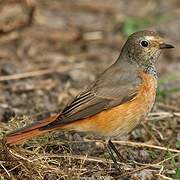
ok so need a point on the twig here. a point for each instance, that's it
(167, 159)
(145, 166)
(134, 171)
(34, 73)
(84, 158)
(164, 177)
(26, 159)
(14, 167)
(93, 159)
(123, 143)
(135, 144)
(162, 115)
(156, 165)
(5, 170)
(19, 156)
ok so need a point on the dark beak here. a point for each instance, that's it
(165, 46)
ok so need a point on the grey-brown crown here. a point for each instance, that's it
(143, 47)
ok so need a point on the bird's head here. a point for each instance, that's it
(144, 47)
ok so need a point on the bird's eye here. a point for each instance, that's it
(144, 43)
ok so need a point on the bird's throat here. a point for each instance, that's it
(151, 70)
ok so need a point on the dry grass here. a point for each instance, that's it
(48, 157)
(49, 50)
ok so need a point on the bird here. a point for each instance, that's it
(115, 103)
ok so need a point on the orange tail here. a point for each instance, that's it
(30, 131)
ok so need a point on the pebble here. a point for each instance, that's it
(8, 69)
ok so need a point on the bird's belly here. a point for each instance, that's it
(123, 118)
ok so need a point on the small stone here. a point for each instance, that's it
(143, 175)
(8, 69)
(50, 176)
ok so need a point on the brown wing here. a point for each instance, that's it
(117, 85)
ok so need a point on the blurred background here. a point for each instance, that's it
(51, 50)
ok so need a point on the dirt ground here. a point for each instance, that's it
(51, 50)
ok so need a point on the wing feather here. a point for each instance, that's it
(117, 85)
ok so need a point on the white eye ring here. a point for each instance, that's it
(144, 43)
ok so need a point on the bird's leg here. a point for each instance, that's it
(111, 145)
(111, 154)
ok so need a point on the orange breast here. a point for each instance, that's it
(123, 118)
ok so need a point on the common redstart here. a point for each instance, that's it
(116, 102)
